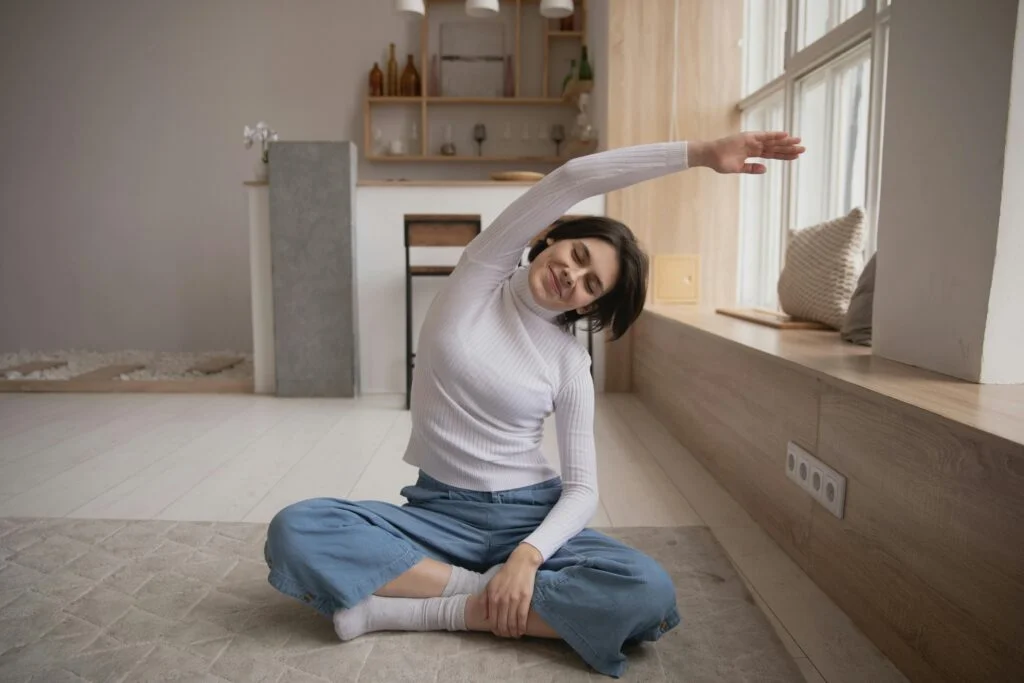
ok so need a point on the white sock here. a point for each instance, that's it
(465, 582)
(401, 614)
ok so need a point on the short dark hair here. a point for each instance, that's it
(619, 308)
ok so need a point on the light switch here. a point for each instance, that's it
(676, 278)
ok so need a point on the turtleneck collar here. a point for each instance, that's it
(520, 287)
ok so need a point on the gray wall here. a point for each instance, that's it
(123, 221)
(942, 216)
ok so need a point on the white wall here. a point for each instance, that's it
(380, 266)
(122, 215)
(1003, 360)
(942, 221)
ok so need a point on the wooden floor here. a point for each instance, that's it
(242, 458)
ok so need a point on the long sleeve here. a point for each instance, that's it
(574, 422)
(501, 245)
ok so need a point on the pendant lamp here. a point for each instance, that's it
(556, 9)
(414, 8)
(482, 8)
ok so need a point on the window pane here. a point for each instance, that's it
(761, 218)
(818, 17)
(811, 170)
(763, 42)
(849, 8)
(832, 118)
(853, 86)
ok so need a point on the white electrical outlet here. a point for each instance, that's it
(825, 485)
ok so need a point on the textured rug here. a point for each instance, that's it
(96, 600)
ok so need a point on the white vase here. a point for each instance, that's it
(261, 170)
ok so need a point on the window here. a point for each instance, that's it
(817, 17)
(764, 37)
(761, 216)
(832, 117)
(826, 86)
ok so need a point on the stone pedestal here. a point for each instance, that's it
(312, 188)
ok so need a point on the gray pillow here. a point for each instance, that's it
(857, 324)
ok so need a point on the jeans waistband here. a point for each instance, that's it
(425, 481)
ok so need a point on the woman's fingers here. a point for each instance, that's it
(777, 137)
(503, 619)
(783, 152)
(524, 616)
(509, 617)
(510, 627)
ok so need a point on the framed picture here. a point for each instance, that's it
(472, 58)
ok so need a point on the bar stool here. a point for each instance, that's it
(430, 230)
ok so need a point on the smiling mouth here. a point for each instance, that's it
(555, 287)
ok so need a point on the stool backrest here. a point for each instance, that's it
(441, 230)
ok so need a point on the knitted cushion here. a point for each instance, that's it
(822, 266)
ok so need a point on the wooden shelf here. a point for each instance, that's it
(394, 100)
(410, 158)
(536, 83)
(545, 101)
(496, 100)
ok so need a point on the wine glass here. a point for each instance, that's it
(479, 134)
(448, 148)
(558, 136)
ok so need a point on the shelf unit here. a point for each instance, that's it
(464, 158)
(426, 102)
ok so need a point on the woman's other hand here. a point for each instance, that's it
(510, 592)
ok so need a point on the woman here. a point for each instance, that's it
(495, 359)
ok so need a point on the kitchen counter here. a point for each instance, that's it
(443, 183)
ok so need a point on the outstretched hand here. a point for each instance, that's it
(730, 154)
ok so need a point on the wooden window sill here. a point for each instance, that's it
(995, 409)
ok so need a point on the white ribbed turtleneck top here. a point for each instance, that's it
(492, 364)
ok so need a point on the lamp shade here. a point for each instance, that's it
(556, 9)
(411, 7)
(482, 8)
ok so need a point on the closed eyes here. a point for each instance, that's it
(581, 255)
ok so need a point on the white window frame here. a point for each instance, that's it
(870, 24)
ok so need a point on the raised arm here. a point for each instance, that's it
(501, 245)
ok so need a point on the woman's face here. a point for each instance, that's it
(572, 274)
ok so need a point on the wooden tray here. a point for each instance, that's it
(776, 319)
(517, 175)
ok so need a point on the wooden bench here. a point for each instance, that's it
(928, 559)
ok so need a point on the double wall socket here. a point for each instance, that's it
(825, 485)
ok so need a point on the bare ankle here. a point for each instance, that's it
(476, 617)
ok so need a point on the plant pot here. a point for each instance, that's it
(261, 170)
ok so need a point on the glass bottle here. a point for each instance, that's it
(410, 80)
(435, 77)
(569, 76)
(586, 72)
(376, 81)
(510, 78)
(392, 83)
